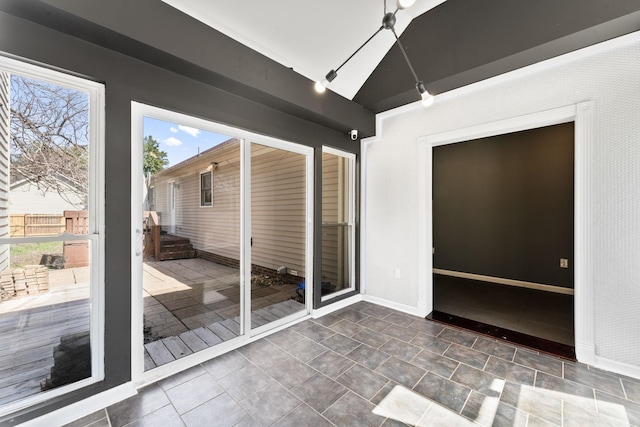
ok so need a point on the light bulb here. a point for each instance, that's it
(321, 85)
(427, 99)
(403, 4)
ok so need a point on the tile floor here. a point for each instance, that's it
(368, 365)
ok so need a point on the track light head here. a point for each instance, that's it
(321, 85)
(427, 98)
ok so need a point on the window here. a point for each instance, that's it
(51, 233)
(206, 188)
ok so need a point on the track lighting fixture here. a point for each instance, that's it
(388, 23)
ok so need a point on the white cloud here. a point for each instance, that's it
(173, 130)
(173, 142)
(191, 131)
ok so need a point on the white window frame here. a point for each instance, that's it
(95, 237)
(210, 172)
(350, 220)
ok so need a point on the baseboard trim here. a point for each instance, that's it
(614, 366)
(415, 311)
(84, 407)
(502, 281)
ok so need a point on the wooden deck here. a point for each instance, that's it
(29, 338)
(171, 348)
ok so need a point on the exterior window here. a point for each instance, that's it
(51, 233)
(206, 188)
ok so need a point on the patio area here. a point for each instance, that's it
(189, 305)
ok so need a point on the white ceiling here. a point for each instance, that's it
(311, 37)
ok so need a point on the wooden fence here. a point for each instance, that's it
(26, 225)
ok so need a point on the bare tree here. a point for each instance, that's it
(50, 137)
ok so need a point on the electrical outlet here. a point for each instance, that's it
(293, 272)
(564, 263)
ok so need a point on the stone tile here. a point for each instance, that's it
(319, 392)
(346, 327)
(489, 411)
(431, 343)
(378, 311)
(541, 362)
(225, 364)
(340, 344)
(269, 404)
(436, 416)
(353, 315)
(367, 356)
(495, 348)
(284, 338)
(433, 362)
(194, 392)
(328, 320)
(298, 327)
(534, 401)
(510, 371)
(390, 422)
(264, 354)
(374, 323)
(331, 363)
(305, 349)
(567, 391)
(303, 415)
(400, 349)
(93, 419)
(372, 339)
(401, 319)
(182, 377)
(534, 421)
(401, 372)
(166, 415)
(317, 333)
(400, 332)
(632, 389)
(608, 383)
(247, 422)
(223, 409)
(353, 411)
(425, 326)
(384, 392)
(245, 381)
(576, 416)
(443, 391)
(403, 405)
(457, 336)
(290, 374)
(478, 380)
(466, 355)
(616, 407)
(149, 399)
(362, 381)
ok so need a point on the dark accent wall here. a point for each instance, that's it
(129, 79)
(503, 206)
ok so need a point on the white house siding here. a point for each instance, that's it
(278, 204)
(4, 165)
(607, 76)
(26, 198)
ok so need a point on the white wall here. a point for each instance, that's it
(606, 74)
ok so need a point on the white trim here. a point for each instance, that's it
(364, 146)
(614, 366)
(582, 113)
(82, 408)
(330, 308)
(414, 311)
(96, 209)
(508, 282)
(200, 174)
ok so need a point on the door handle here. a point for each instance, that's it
(138, 242)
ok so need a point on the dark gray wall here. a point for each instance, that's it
(503, 206)
(128, 79)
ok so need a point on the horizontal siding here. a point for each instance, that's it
(4, 165)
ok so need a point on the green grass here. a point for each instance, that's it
(30, 253)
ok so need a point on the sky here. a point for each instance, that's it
(178, 141)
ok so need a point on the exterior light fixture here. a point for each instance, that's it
(388, 23)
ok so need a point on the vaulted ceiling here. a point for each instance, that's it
(451, 43)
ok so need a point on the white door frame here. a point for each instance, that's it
(138, 112)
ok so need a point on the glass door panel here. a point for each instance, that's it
(278, 234)
(337, 222)
(191, 229)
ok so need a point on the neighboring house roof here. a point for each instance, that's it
(192, 161)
